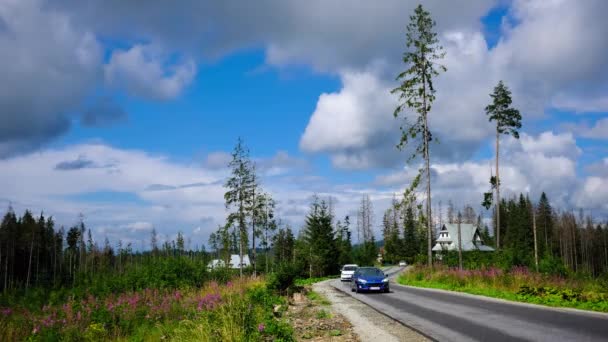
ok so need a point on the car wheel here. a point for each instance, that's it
(387, 290)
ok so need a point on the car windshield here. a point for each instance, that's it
(349, 268)
(370, 272)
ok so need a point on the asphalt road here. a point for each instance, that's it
(446, 316)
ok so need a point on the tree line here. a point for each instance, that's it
(36, 253)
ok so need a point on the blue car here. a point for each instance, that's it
(369, 279)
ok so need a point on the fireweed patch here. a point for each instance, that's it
(519, 284)
(120, 315)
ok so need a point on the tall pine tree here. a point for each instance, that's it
(508, 121)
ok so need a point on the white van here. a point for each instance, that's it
(347, 272)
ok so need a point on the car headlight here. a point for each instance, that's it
(362, 281)
(385, 280)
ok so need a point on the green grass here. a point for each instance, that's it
(310, 281)
(317, 298)
(517, 285)
(323, 314)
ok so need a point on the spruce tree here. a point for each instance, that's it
(239, 195)
(319, 236)
(417, 93)
(409, 235)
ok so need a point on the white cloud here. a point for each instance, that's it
(140, 226)
(349, 124)
(529, 165)
(547, 143)
(599, 168)
(144, 71)
(593, 194)
(597, 131)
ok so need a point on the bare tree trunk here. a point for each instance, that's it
(546, 240)
(605, 249)
(459, 242)
(535, 242)
(37, 264)
(497, 194)
(253, 251)
(241, 238)
(266, 238)
(575, 262)
(429, 231)
(6, 267)
(29, 265)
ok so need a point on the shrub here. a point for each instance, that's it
(283, 278)
(552, 265)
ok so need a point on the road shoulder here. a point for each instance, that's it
(368, 324)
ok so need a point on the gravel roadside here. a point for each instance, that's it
(368, 324)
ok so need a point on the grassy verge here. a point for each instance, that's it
(517, 285)
(241, 310)
(310, 281)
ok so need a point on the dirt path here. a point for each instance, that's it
(367, 323)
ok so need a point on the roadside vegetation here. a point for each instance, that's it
(517, 284)
(239, 310)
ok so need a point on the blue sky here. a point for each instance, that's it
(142, 107)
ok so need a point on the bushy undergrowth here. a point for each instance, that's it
(518, 284)
(241, 310)
(159, 273)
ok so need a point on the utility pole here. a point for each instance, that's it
(459, 242)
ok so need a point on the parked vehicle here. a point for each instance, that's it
(402, 263)
(369, 279)
(347, 272)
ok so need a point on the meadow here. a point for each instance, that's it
(169, 299)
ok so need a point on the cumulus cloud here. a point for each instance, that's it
(352, 123)
(599, 168)
(143, 71)
(531, 165)
(47, 66)
(599, 130)
(324, 34)
(593, 194)
(281, 163)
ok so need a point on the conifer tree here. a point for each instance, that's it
(409, 235)
(240, 186)
(508, 121)
(417, 93)
(319, 236)
(544, 222)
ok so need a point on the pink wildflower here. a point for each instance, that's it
(261, 327)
